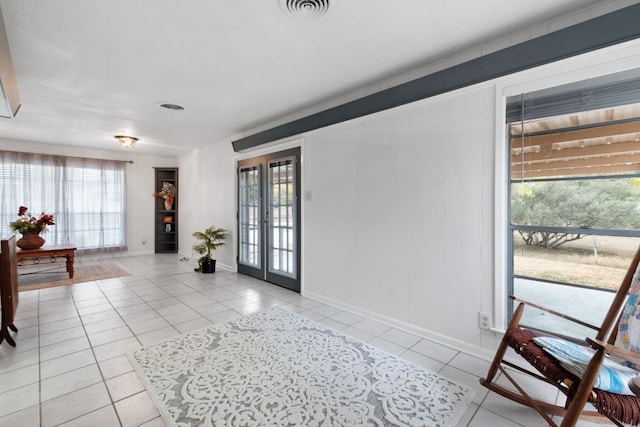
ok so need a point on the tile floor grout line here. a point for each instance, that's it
(153, 282)
(39, 367)
(104, 380)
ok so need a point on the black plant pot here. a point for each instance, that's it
(209, 266)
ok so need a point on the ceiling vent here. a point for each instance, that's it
(173, 107)
(305, 9)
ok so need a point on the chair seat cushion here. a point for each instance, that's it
(521, 340)
(624, 408)
(612, 377)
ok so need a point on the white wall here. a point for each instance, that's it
(139, 187)
(207, 182)
(394, 227)
(406, 218)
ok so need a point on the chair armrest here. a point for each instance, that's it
(622, 353)
(555, 313)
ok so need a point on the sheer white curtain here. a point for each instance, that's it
(86, 196)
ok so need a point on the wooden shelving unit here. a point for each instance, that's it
(166, 221)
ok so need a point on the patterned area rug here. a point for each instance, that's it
(82, 274)
(276, 368)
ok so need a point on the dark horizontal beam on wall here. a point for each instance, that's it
(606, 30)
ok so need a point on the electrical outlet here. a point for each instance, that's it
(484, 320)
(144, 241)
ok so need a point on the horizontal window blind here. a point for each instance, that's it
(579, 132)
(595, 96)
(86, 196)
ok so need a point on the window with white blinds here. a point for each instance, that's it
(86, 197)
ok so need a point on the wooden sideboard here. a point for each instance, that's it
(8, 288)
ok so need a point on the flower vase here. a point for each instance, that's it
(30, 240)
(168, 205)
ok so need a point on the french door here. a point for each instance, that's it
(269, 218)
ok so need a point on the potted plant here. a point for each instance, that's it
(209, 240)
(30, 227)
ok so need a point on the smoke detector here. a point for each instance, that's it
(305, 9)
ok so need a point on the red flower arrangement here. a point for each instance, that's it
(27, 222)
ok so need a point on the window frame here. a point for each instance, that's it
(603, 62)
(511, 228)
(63, 191)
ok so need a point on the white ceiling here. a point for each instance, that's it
(88, 70)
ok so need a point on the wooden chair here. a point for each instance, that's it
(8, 287)
(618, 408)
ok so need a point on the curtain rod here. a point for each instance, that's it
(65, 157)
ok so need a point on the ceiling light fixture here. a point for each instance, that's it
(126, 141)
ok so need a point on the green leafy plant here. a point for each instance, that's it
(209, 240)
(579, 204)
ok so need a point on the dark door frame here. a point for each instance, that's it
(264, 272)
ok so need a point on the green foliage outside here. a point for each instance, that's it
(599, 203)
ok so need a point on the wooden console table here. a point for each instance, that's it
(50, 252)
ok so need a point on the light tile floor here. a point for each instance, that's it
(69, 367)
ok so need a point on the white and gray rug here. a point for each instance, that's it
(276, 368)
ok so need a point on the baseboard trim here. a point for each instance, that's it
(407, 327)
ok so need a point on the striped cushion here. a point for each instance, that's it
(613, 377)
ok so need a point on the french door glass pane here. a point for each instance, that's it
(250, 209)
(282, 222)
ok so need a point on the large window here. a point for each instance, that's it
(86, 197)
(574, 199)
